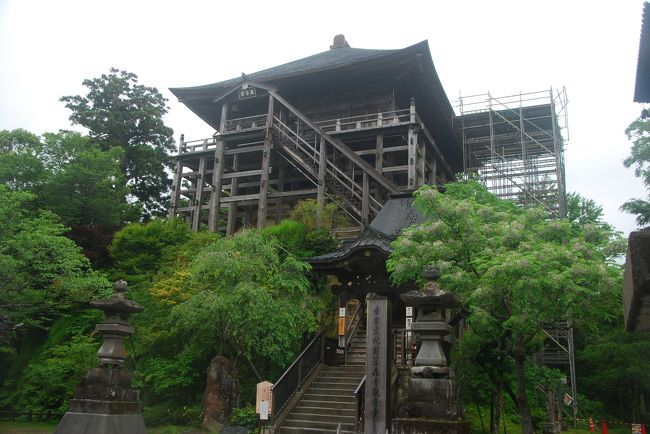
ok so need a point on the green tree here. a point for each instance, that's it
(141, 249)
(639, 133)
(44, 273)
(247, 300)
(85, 185)
(117, 111)
(21, 167)
(515, 269)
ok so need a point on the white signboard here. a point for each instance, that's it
(409, 323)
(409, 311)
(264, 410)
(341, 312)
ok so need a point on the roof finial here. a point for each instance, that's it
(339, 42)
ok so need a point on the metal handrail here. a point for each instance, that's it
(294, 377)
(359, 399)
(352, 327)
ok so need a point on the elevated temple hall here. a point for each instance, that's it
(349, 124)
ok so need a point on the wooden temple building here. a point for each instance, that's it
(350, 125)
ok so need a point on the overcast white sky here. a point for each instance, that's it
(48, 47)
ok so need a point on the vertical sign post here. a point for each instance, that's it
(408, 345)
(263, 399)
(341, 327)
(378, 363)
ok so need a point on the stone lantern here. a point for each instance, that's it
(433, 311)
(104, 402)
(432, 404)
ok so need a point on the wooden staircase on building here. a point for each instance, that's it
(330, 398)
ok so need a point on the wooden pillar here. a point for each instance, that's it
(224, 117)
(217, 184)
(266, 166)
(434, 171)
(231, 225)
(217, 173)
(412, 111)
(278, 203)
(198, 196)
(412, 148)
(379, 153)
(365, 204)
(422, 166)
(412, 157)
(178, 176)
(322, 170)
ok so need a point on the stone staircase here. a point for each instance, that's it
(330, 399)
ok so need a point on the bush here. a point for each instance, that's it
(244, 416)
(169, 413)
(48, 382)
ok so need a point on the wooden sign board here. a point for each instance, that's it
(341, 326)
(247, 92)
(636, 428)
(263, 394)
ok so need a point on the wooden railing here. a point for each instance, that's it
(360, 122)
(293, 378)
(197, 145)
(246, 123)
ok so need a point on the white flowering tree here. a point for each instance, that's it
(518, 271)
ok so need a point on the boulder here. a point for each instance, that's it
(221, 393)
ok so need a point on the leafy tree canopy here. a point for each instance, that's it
(517, 270)
(86, 186)
(44, 273)
(639, 133)
(248, 298)
(118, 111)
(21, 167)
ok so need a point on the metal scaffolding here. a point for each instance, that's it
(515, 145)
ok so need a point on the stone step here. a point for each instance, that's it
(336, 397)
(317, 416)
(291, 422)
(305, 409)
(299, 430)
(337, 382)
(326, 388)
(338, 405)
(356, 357)
(347, 372)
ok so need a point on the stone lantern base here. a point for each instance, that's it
(428, 426)
(104, 403)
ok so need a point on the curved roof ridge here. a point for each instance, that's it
(328, 59)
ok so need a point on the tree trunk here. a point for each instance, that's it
(496, 408)
(480, 416)
(522, 399)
